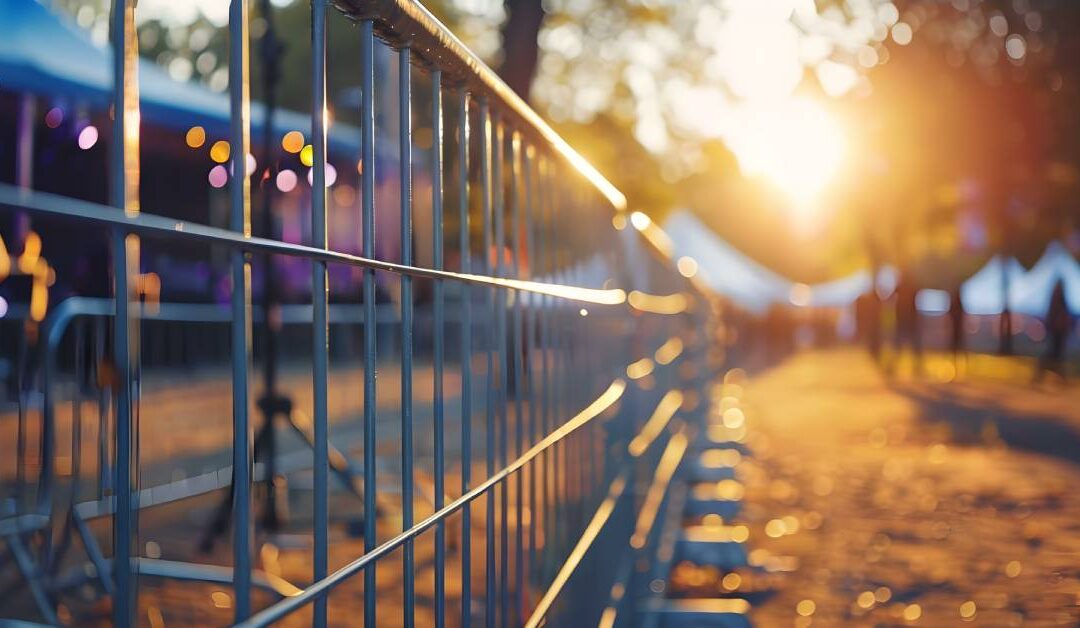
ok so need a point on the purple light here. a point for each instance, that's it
(331, 175)
(88, 137)
(218, 176)
(54, 117)
(286, 180)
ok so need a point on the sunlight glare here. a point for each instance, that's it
(796, 145)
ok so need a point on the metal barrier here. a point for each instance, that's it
(592, 350)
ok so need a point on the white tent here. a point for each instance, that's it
(724, 268)
(739, 277)
(1029, 291)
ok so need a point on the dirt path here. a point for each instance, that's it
(911, 501)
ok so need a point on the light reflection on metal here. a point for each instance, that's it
(668, 406)
(596, 525)
(665, 470)
(148, 224)
(639, 369)
(668, 351)
(666, 304)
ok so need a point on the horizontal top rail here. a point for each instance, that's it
(408, 23)
(149, 224)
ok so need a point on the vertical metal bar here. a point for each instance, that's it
(438, 341)
(124, 194)
(536, 468)
(367, 185)
(489, 426)
(500, 351)
(319, 296)
(466, 357)
(405, 170)
(542, 257)
(557, 334)
(516, 191)
(240, 221)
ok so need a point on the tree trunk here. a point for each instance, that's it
(520, 47)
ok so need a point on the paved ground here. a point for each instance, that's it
(878, 501)
(190, 434)
(871, 500)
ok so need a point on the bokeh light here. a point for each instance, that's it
(219, 152)
(195, 137)
(688, 266)
(286, 180)
(218, 176)
(331, 175)
(88, 137)
(54, 117)
(293, 142)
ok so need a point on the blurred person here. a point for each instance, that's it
(779, 333)
(1058, 325)
(908, 330)
(956, 320)
(868, 321)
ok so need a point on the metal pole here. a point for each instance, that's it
(124, 194)
(489, 425)
(405, 171)
(320, 331)
(367, 185)
(240, 221)
(516, 191)
(465, 252)
(498, 207)
(437, 245)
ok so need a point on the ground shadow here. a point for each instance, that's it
(970, 419)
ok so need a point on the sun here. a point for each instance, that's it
(795, 145)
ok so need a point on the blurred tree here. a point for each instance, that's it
(520, 49)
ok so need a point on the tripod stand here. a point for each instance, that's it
(272, 404)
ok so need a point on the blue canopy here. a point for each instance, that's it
(45, 54)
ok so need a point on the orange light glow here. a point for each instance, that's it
(195, 137)
(293, 142)
(220, 151)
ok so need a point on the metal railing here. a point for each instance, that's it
(581, 351)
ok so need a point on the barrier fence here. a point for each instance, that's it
(552, 360)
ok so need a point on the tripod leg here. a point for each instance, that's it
(266, 449)
(220, 522)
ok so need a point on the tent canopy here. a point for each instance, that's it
(45, 54)
(1029, 291)
(734, 274)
